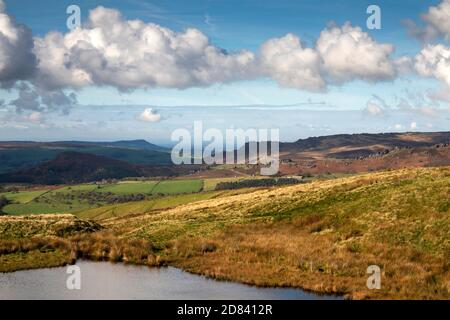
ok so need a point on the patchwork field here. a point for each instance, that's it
(85, 196)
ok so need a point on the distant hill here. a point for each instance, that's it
(349, 146)
(19, 155)
(345, 153)
(127, 144)
(353, 153)
(71, 167)
(365, 152)
(366, 142)
(77, 167)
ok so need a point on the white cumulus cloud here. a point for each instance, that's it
(348, 53)
(436, 23)
(291, 65)
(109, 50)
(434, 61)
(149, 115)
(129, 54)
(341, 54)
(17, 62)
(438, 18)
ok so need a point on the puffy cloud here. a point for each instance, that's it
(292, 65)
(413, 125)
(438, 18)
(434, 61)
(341, 54)
(404, 65)
(17, 61)
(149, 115)
(348, 53)
(437, 23)
(129, 54)
(43, 101)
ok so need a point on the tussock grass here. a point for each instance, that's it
(39, 252)
(44, 226)
(106, 246)
(287, 255)
(32, 253)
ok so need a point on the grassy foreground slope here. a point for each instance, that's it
(142, 207)
(320, 236)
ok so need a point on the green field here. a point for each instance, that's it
(43, 208)
(166, 187)
(80, 187)
(76, 198)
(24, 196)
(129, 187)
(178, 187)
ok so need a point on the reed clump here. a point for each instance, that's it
(106, 246)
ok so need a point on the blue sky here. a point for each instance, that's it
(107, 113)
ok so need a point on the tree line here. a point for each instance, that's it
(257, 183)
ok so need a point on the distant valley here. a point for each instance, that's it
(77, 161)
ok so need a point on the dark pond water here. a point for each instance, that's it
(104, 280)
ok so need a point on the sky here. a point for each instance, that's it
(138, 69)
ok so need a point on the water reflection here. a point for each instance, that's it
(103, 280)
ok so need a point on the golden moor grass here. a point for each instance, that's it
(320, 236)
(292, 256)
(44, 226)
(106, 246)
(102, 246)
